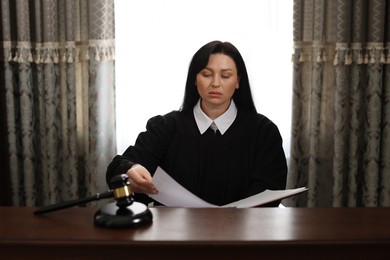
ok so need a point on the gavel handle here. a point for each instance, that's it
(68, 204)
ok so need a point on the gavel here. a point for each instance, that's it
(124, 213)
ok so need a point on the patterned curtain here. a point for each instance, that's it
(58, 58)
(341, 103)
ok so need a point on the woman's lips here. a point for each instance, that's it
(215, 94)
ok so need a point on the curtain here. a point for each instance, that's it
(341, 111)
(58, 59)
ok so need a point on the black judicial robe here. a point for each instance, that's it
(220, 169)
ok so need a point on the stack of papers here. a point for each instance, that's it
(172, 194)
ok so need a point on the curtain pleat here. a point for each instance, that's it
(384, 173)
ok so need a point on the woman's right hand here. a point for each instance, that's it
(141, 180)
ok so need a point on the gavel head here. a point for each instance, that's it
(122, 191)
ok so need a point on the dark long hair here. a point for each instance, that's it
(242, 96)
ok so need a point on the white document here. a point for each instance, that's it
(172, 194)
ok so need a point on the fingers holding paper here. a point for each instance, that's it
(141, 180)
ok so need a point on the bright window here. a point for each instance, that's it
(155, 41)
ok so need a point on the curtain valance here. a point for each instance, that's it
(347, 53)
(57, 52)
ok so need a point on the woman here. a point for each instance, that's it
(217, 145)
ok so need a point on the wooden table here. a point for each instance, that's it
(178, 233)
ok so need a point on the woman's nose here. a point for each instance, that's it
(216, 82)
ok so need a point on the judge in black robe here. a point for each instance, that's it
(220, 168)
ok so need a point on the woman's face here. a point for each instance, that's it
(216, 83)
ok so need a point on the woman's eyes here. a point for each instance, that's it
(207, 75)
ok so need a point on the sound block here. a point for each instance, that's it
(111, 216)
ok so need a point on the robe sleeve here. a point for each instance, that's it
(270, 167)
(148, 149)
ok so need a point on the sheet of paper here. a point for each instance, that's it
(265, 197)
(172, 194)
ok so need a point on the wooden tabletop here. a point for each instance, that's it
(178, 231)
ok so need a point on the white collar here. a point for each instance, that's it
(222, 123)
